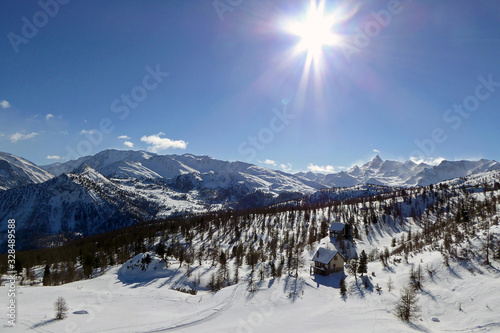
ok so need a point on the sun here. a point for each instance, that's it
(319, 31)
(315, 31)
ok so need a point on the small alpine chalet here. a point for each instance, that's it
(337, 229)
(327, 261)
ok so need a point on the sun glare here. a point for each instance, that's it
(315, 31)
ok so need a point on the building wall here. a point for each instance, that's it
(338, 262)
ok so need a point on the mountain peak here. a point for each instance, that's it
(377, 159)
(375, 163)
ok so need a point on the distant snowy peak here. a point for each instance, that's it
(395, 173)
(375, 163)
(16, 171)
(447, 170)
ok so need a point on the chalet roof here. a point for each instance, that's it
(324, 256)
(337, 226)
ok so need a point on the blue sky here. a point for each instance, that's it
(406, 79)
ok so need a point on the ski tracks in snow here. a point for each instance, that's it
(188, 320)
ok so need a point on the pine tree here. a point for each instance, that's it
(160, 249)
(87, 265)
(343, 289)
(353, 263)
(236, 275)
(46, 276)
(386, 255)
(363, 261)
(407, 307)
(61, 308)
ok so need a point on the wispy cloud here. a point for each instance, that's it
(157, 143)
(87, 132)
(124, 137)
(49, 116)
(129, 144)
(430, 160)
(53, 157)
(376, 151)
(20, 136)
(5, 104)
(320, 168)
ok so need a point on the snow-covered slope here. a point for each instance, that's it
(458, 293)
(395, 173)
(16, 171)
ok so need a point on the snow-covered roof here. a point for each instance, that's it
(337, 226)
(324, 256)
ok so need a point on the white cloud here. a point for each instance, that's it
(124, 137)
(269, 162)
(49, 116)
(376, 151)
(430, 160)
(157, 143)
(319, 168)
(129, 144)
(53, 157)
(87, 132)
(5, 104)
(286, 167)
(20, 136)
(65, 132)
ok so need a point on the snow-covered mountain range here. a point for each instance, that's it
(395, 173)
(113, 188)
(187, 171)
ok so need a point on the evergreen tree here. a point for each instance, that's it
(236, 275)
(87, 265)
(353, 264)
(363, 263)
(160, 249)
(343, 289)
(46, 276)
